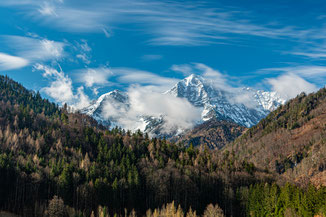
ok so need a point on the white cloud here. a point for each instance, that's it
(314, 73)
(84, 51)
(61, 85)
(289, 85)
(50, 49)
(177, 113)
(315, 48)
(84, 46)
(47, 10)
(134, 76)
(244, 98)
(94, 76)
(311, 54)
(34, 49)
(8, 62)
(84, 58)
(168, 23)
(308, 71)
(185, 69)
(81, 99)
(61, 88)
(217, 79)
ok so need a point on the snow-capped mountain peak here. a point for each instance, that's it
(245, 106)
(97, 108)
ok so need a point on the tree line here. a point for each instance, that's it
(55, 161)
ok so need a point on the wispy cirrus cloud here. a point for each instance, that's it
(8, 62)
(103, 76)
(47, 9)
(217, 78)
(315, 73)
(167, 23)
(144, 78)
(312, 51)
(28, 50)
(91, 77)
(83, 51)
(34, 49)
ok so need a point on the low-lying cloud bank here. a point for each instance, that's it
(177, 113)
(145, 92)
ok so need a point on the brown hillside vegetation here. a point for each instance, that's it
(54, 161)
(213, 133)
(57, 163)
(291, 141)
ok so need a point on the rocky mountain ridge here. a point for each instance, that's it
(244, 106)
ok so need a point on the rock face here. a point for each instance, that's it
(99, 108)
(244, 106)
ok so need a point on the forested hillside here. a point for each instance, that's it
(57, 163)
(47, 151)
(291, 141)
(213, 133)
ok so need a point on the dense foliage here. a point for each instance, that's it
(289, 200)
(47, 151)
(57, 163)
(213, 133)
(291, 141)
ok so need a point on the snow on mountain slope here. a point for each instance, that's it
(244, 106)
(114, 101)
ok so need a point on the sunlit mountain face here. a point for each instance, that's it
(189, 102)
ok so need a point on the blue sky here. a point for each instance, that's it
(74, 50)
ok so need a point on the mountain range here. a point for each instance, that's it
(244, 106)
(50, 158)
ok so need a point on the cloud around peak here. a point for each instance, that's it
(177, 113)
(289, 85)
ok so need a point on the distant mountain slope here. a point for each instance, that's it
(290, 141)
(213, 133)
(244, 106)
(119, 101)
